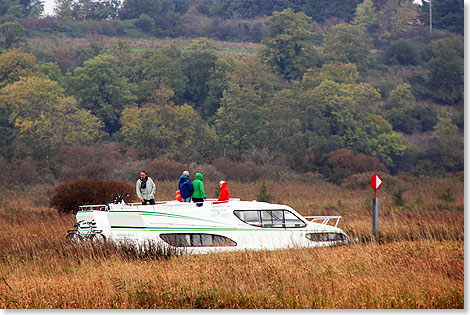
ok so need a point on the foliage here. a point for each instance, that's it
(402, 52)
(366, 15)
(289, 49)
(348, 44)
(243, 117)
(198, 61)
(397, 197)
(446, 14)
(447, 195)
(15, 64)
(157, 130)
(336, 71)
(446, 78)
(102, 89)
(263, 195)
(68, 196)
(394, 17)
(45, 118)
(12, 34)
(156, 69)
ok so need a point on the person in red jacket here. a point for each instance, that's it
(224, 192)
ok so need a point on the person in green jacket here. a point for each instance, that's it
(198, 189)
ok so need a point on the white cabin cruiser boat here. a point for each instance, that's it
(213, 225)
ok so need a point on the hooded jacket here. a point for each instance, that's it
(198, 187)
(224, 192)
(185, 186)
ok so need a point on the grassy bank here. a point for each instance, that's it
(418, 262)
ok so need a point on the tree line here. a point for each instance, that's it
(377, 93)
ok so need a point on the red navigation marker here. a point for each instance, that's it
(376, 183)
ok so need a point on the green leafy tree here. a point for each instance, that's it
(199, 61)
(216, 85)
(347, 44)
(12, 34)
(446, 77)
(448, 142)
(155, 69)
(336, 71)
(243, 117)
(366, 15)
(289, 49)
(102, 89)
(165, 130)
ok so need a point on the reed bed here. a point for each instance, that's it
(418, 261)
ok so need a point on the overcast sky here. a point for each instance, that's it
(49, 7)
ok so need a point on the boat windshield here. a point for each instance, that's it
(270, 218)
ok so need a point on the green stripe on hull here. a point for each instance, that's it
(162, 214)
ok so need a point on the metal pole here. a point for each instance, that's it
(430, 16)
(375, 218)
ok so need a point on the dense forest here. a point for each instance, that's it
(316, 89)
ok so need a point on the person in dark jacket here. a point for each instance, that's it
(224, 192)
(185, 187)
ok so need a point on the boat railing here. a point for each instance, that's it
(93, 208)
(325, 219)
(105, 207)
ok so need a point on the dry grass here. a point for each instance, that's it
(418, 263)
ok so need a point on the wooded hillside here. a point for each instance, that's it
(234, 89)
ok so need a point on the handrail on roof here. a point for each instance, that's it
(324, 218)
(92, 207)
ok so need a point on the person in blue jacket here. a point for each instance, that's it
(185, 187)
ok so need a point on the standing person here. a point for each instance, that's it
(198, 189)
(185, 186)
(224, 192)
(145, 189)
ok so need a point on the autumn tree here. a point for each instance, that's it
(102, 89)
(394, 17)
(288, 44)
(167, 130)
(45, 119)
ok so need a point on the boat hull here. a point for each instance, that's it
(211, 227)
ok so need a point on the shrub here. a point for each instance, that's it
(245, 172)
(351, 163)
(447, 195)
(100, 161)
(397, 197)
(68, 196)
(402, 52)
(263, 195)
(165, 169)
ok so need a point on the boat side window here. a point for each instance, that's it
(270, 218)
(196, 240)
